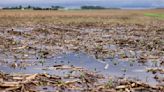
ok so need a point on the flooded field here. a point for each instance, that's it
(97, 52)
(114, 67)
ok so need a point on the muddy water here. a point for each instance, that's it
(109, 67)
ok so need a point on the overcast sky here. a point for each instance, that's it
(78, 3)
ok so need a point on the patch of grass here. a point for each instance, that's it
(161, 16)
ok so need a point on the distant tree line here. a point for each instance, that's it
(95, 7)
(52, 8)
(15, 7)
(159, 8)
(92, 7)
(33, 8)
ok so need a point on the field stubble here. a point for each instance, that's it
(28, 37)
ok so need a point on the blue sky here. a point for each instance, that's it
(78, 3)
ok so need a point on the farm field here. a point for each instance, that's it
(82, 50)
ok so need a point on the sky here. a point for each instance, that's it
(78, 3)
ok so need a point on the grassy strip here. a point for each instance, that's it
(161, 16)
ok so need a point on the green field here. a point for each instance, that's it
(161, 16)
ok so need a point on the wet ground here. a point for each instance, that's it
(66, 51)
(109, 67)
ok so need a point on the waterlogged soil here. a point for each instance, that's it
(118, 58)
(113, 67)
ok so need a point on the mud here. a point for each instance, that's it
(111, 58)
